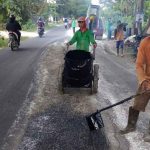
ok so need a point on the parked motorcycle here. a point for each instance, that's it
(134, 42)
(13, 41)
(40, 32)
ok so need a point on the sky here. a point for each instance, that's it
(95, 1)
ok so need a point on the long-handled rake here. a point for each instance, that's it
(95, 120)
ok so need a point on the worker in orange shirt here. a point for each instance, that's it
(143, 75)
(119, 37)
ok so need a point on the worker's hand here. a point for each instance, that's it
(68, 44)
(94, 45)
(145, 85)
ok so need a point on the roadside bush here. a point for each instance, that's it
(3, 42)
(49, 25)
(29, 26)
(2, 26)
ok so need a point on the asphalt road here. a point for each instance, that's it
(17, 71)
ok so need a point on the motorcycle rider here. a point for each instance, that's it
(83, 36)
(14, 26)
(40, 24)
(66, 23)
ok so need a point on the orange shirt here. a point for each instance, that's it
(143, 60)
(120, 35)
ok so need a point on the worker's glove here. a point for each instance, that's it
(145, 86)
(94, 45)
(68, 44)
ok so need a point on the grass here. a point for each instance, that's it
(33, 27)
(3, 42)
(50, 25)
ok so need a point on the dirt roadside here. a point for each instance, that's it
(23, 34)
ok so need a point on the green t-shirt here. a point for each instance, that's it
(83, 40)
(73, 23)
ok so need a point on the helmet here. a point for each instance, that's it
(40, 18)
(81, 18)
(12, 17)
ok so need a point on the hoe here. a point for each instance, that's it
(95, 120)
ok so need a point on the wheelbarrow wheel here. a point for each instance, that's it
(60, 85)
(95, 78)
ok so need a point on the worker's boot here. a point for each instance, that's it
(147, 136)
(117, 51)
(132, 120)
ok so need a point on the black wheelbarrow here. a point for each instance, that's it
(79, 73)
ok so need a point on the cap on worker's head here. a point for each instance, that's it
(81, 18)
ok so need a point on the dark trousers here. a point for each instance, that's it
(119, 44)
(19, 36)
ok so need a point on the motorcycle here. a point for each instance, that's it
(134, 42)
(66, 25)
(40, 32)
(13, 41)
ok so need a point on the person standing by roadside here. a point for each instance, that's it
(73, 25)
(109, 29)
(143, 75)
(119, 37)
(69, 22)
(91, 22)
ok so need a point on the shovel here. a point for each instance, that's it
(95, 120)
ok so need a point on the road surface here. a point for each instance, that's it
(46, 119)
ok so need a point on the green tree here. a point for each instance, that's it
(69, 8)
(127, 10)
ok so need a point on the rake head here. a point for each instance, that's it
(95, 121)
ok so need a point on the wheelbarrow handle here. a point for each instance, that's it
(66, 49)
(94, 53)
(122, 101)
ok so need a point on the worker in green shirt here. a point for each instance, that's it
(73, 25)
(83, 37)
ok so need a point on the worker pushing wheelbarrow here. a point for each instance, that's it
(79, 70)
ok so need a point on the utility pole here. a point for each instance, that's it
(139, 15)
